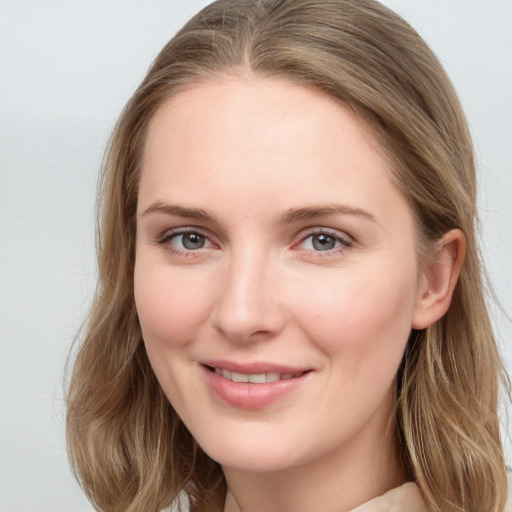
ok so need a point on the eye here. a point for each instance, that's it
(182, 241)
(324, 241)
(189, 241)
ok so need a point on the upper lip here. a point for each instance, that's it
(252, 368)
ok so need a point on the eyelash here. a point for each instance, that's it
(344, 242)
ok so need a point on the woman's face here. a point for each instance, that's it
(276, 276)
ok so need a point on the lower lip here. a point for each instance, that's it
(246, 395)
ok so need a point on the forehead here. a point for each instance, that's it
(271, 119)
(261, 143)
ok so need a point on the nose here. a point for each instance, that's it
(249, 306)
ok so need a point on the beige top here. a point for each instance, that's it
(407, 498)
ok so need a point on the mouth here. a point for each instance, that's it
(255, 378)
(253, 386)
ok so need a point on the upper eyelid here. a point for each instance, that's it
(318, 230)
(169, 233)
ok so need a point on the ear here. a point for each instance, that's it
(438, 280)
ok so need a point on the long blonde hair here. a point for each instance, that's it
(127, 446)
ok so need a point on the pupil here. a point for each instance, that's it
(323, 242)
(193, 241)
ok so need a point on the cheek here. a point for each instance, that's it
(363, 316)
(171, 308)
(361, 325)
(170, 304)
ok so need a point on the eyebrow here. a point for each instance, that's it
(182, 211)
(288, 217)
(313, 212)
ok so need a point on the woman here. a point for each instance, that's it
(290, 310)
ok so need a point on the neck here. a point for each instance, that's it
(337, 482)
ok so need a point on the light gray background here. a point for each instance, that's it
(66, 69)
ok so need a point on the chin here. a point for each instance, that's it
(262, 462)
(260, 453)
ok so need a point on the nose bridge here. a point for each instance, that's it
(248, 304)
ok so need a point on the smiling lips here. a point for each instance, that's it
(256, 378)
(253, 388)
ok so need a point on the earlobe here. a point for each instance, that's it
(439, 279)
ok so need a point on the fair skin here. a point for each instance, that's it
(272, 243)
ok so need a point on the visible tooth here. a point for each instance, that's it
(287, 376)
(239, 377)
(218, 371)
(295, 375)
(272, 377)
(257, 378)
(226, 373)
